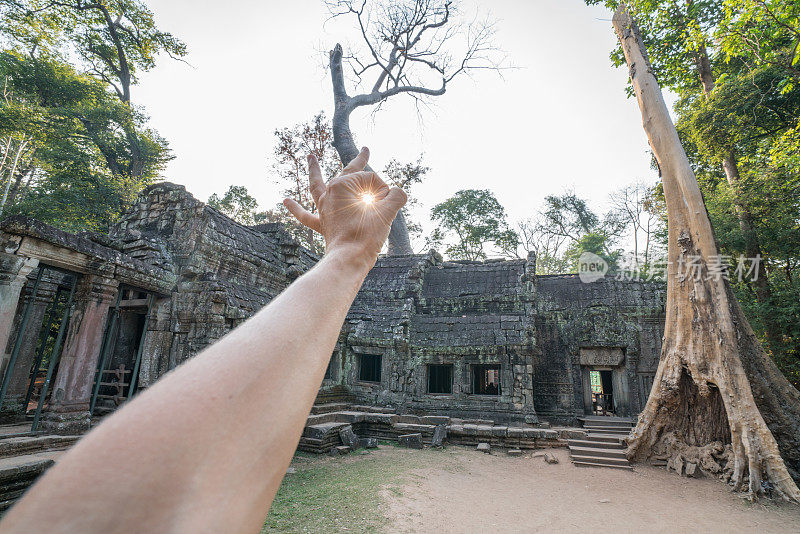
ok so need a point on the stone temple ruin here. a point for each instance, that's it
(88, 320)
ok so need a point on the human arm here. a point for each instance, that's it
(206, 447)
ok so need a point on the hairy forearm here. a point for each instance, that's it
(206, 447)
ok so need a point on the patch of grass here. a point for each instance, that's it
(344, 494)
(333, 494)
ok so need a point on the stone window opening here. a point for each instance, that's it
(440, 379)
(486, 380)
(370, 367)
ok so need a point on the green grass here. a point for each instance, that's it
(332, 494)
(344, 494)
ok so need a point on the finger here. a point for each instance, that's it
(316, 185)
(358, 163)
(301, 214)
(394, 200)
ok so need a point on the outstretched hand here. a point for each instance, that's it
(355, 209)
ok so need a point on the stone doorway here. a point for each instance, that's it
(604, 381)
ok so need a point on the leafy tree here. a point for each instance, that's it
(236, 203)
(474, 220)
(54, 51)
(596, 243)
(68, 122)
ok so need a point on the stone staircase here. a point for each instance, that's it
(602, 446)
(24, 456)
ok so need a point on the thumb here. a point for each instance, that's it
(395, 199)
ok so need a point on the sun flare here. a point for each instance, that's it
(368, 198)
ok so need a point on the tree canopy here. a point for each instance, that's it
(473, 220)
(75, 147)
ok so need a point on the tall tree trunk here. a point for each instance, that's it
(399, 242)
(751, 242)
(715, 385)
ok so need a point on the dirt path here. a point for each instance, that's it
(472, 492)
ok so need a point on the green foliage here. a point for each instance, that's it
(113, 40)
(236, 203)
(674, 33)
(74, 129)
(473, 220)
(596, 243)
(67, 72)
(763, 32)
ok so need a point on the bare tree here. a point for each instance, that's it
(717, 397)
(410, 47)
(548, 246)
(634, 206)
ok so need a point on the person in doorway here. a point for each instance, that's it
(205, 449)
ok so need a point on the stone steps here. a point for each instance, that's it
(604, 460)
(603, 446)
(22, 445)
(609, 430)
(606, 421)
(17, 474)
(596, 444)
(610, 438)
(599, 463)
(595, 452)
(318, 409)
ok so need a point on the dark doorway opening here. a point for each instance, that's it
(602, 392)
(440, 379)
(370, 368)
(486, 380)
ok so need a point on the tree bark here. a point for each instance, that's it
(714, 384)
(745, 218)
(399, 242)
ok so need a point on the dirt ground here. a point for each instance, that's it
(481, 493)
(461, 490)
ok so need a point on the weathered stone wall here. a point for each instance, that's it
(417, 310)
(572, 315)
(225, 271)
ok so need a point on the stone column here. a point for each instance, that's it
(14, 402)
(72, 388)
(14, 271)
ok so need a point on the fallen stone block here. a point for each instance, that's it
(550, 458)
(412, 441)
(439, 435)
(340, 450)
(368, 443)
(484, 447)
(349, 437)
(514, 452)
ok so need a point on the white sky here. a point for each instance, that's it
(559, 121)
